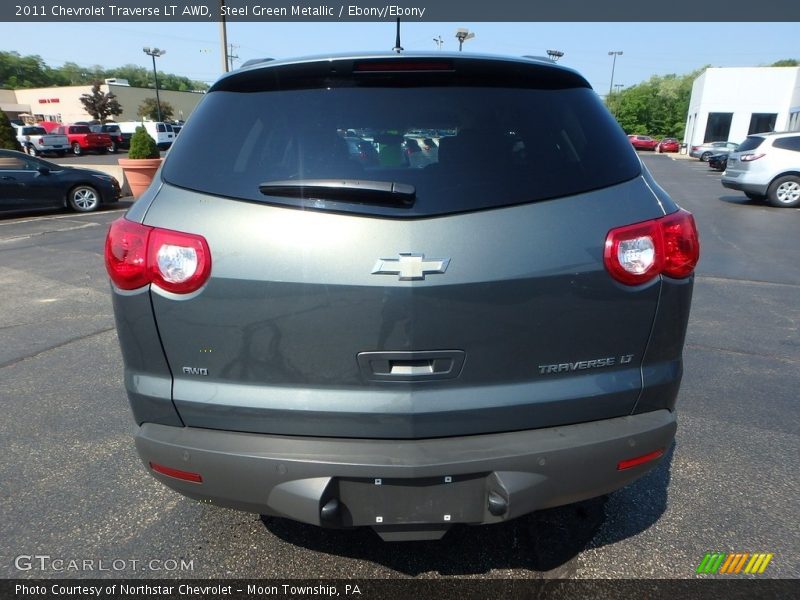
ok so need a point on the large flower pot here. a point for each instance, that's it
(139, 172)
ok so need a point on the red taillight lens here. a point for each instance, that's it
(750, 157)
(383, 66)
(41, 141)
(174, 261)
(126, 254)
(635, 254)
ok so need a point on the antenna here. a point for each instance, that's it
(397, 47)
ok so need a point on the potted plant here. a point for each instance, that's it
(143, 161)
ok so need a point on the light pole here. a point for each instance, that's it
(154, 52)
(618, 86)
(555, 55)
(615, 54)
(462, 35)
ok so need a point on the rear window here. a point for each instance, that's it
(462, 148)
(751, 142)
(80, 129)
(33, 131)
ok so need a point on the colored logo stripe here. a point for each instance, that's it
(723, 563)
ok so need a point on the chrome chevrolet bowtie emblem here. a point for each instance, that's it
(410, 266)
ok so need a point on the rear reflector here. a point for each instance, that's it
(633, 462)
(176, 473)
(635, 254)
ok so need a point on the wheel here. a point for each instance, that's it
(785, 192)
(31, 151)
(756, 197)
(84, 198)
(113, 148)
(704, 156)
(76, 149)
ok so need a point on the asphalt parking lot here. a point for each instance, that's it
(73, 487)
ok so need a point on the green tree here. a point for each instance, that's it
(149, 109)
(656, 107)
(8, 135)
(99, 104)
(786, 62)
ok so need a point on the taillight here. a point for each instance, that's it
(635, 254)
(174, 261)
(750, 157)
(41, 141)
(639, 460)
(177, 473)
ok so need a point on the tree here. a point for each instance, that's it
(786, 62)
(149, 109)
(8, 135)
(142, 145)
(100, 105)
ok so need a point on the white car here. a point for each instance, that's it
(161, 132)
(767, 166)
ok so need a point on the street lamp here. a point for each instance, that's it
(615, 54)
(555, 55)
(154, 52)
(462, 35)
(618, 87)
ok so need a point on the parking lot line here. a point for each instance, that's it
(52, 217)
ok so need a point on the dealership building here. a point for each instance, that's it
(728, 104)
(62, 104)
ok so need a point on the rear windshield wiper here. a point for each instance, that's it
(347, 190)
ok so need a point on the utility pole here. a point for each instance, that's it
(231, 55)
(438, 41)
(223, 37)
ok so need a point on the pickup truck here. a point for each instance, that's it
(81, 139)
(35, 140)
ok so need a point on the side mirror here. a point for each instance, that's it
(44, 170)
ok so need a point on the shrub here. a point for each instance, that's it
(8, 134)
(142, 145)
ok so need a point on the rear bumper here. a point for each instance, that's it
(745, 186)
(496, 477)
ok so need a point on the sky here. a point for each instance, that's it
(193, 49)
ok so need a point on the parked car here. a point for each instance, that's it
(668, 145)
(161, 132)
(362, 151)
(643, 142)
(718, 162)
(396, 347)
(82, 139)
(35, 140)
(113, 131)
(767, 166)
(29, 183)
(703, 151)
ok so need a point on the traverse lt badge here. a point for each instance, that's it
(410, 266)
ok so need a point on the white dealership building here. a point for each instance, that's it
(728, 104)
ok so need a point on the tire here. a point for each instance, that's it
(76, 149)
(113, 148)
(84, 198)
(704, 156)
(103, 150)
(31, 151)
(784, 192)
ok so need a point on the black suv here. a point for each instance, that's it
(492, 328)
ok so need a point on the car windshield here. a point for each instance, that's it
(461, 148)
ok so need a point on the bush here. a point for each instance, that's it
(8, 134)
(142, 145)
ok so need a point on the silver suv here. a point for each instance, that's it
(767, 166)
(402, 344)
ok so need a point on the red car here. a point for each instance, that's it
(668, 145)
(643, 142)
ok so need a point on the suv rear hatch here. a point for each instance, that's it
(458, 293)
